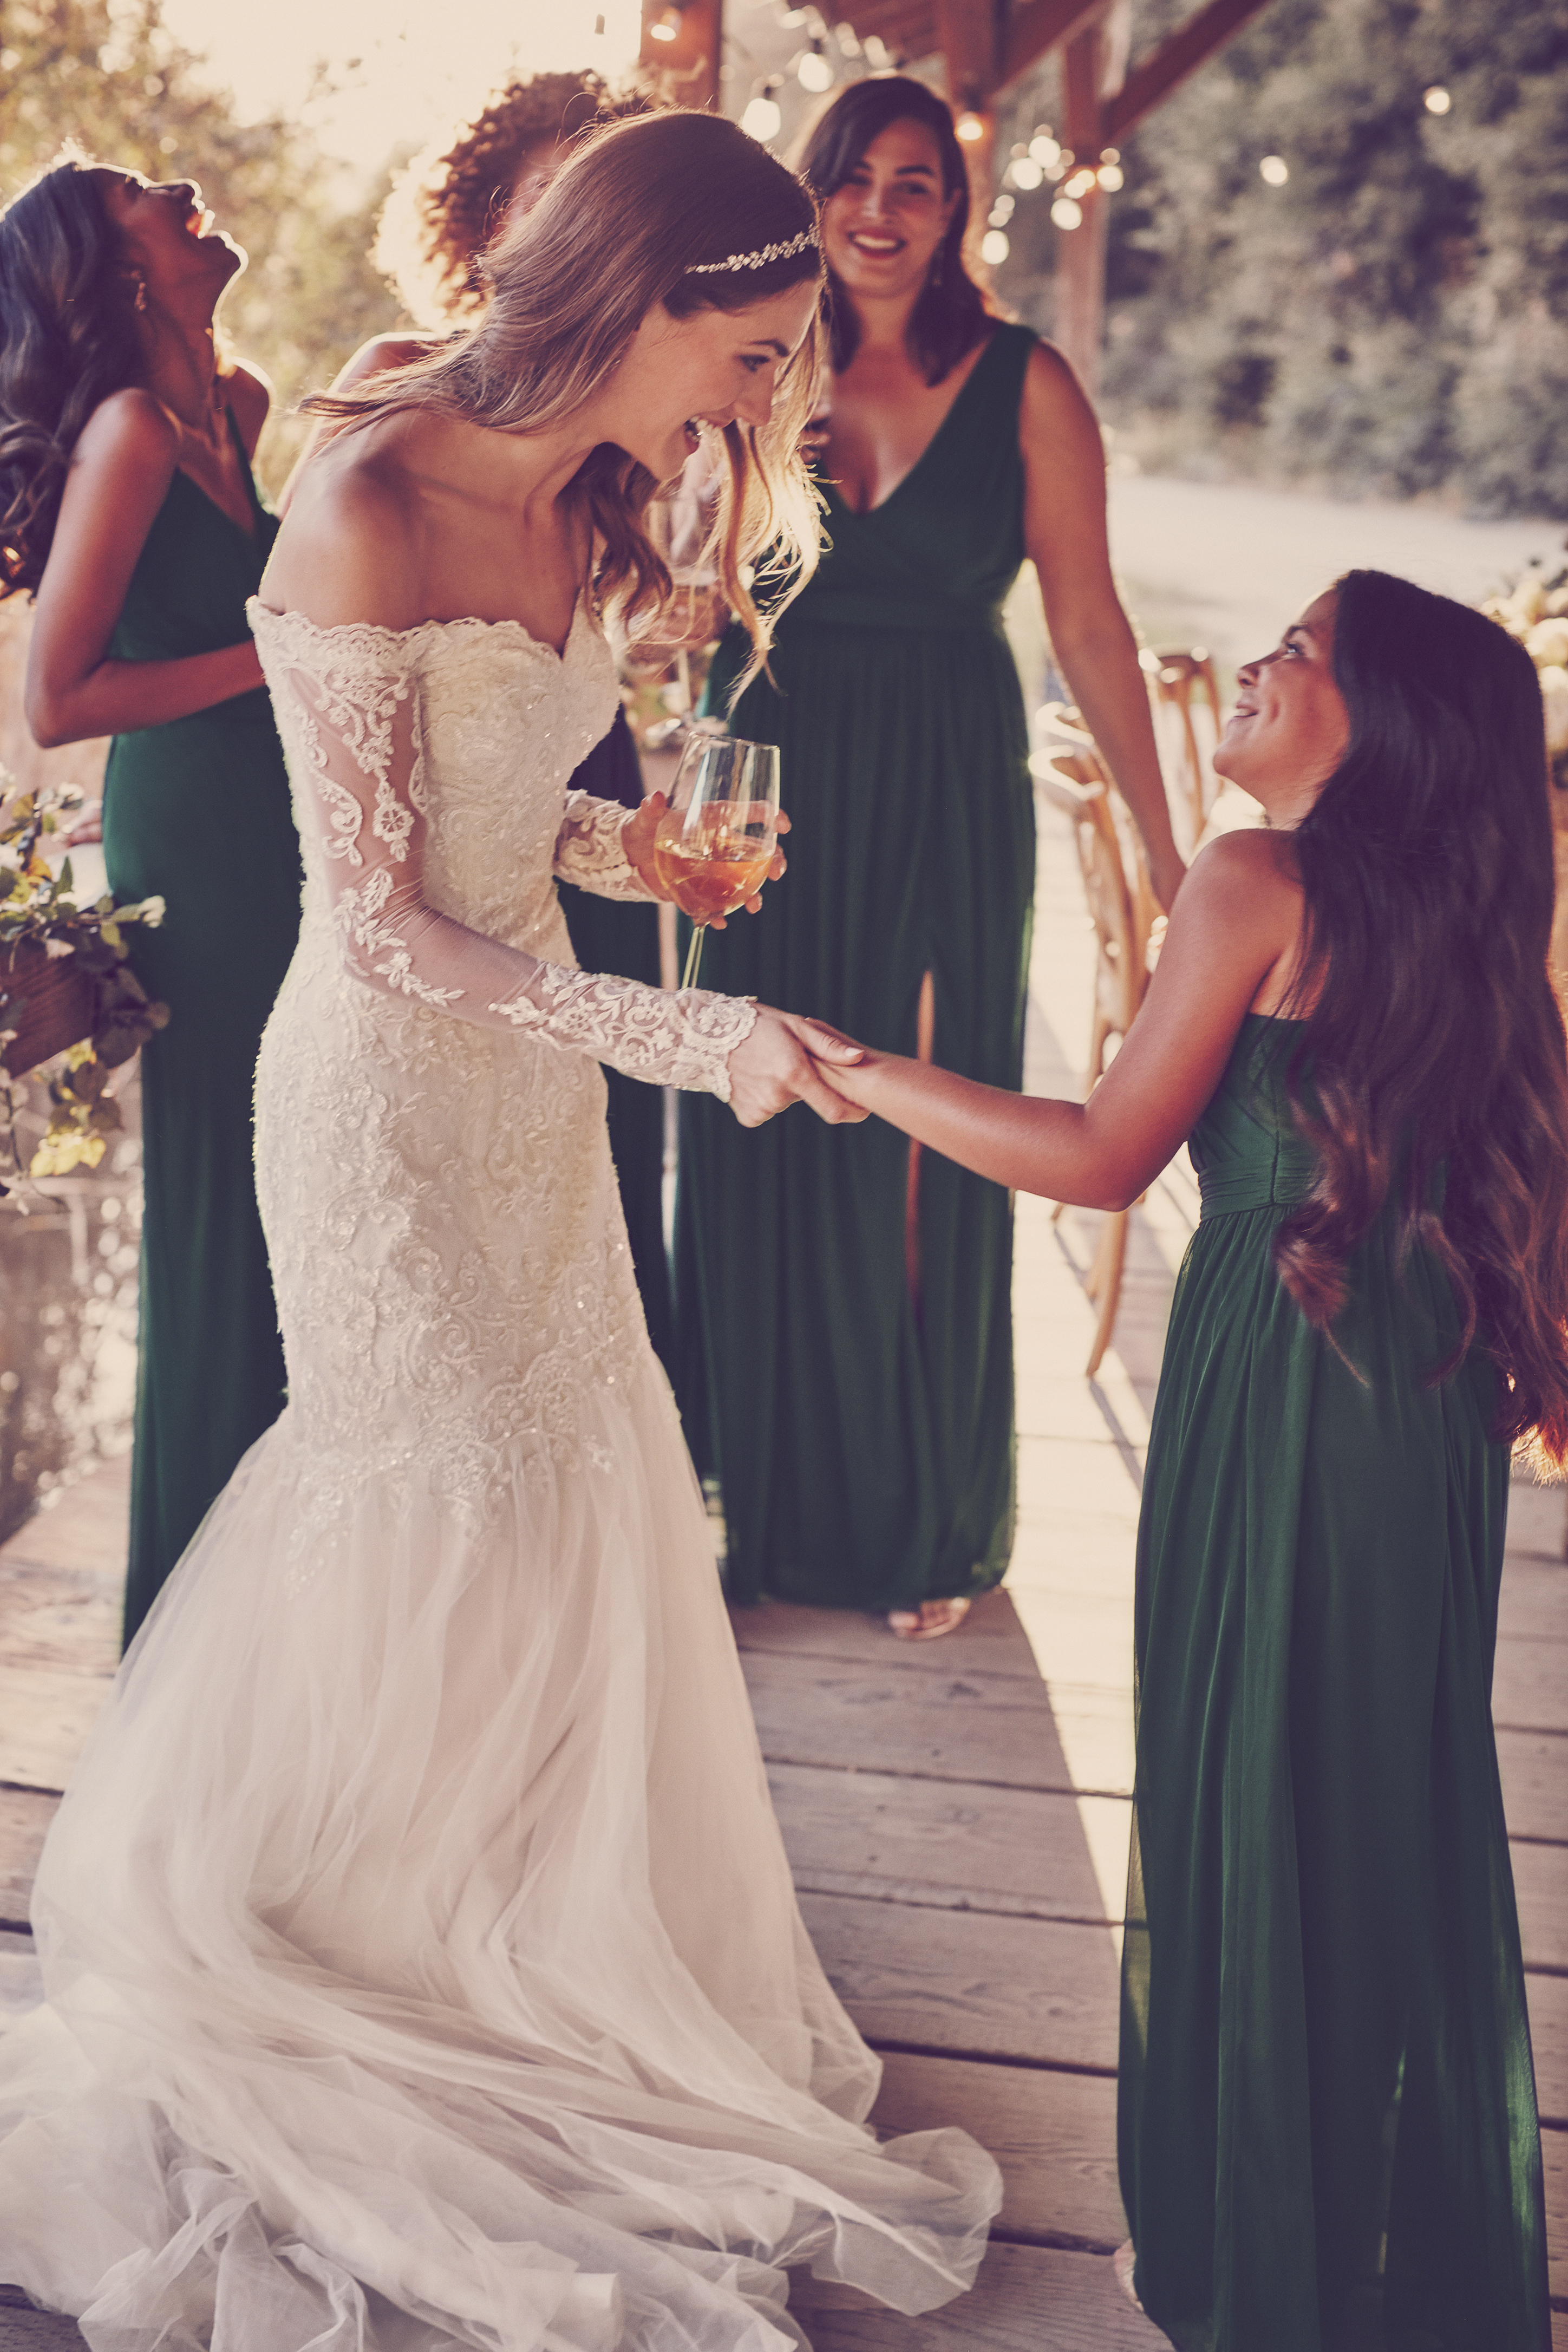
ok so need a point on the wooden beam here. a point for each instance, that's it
(683, 52)
(1081, 252)
(1037, 25)
(1174, 60)
(966, 34)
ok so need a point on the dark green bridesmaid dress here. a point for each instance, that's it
(1326, 2067)
(198, 810)
(863, 1441)
(610, 935)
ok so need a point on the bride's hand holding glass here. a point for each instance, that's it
(639, 841)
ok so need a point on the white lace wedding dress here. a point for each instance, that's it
(421, 1960)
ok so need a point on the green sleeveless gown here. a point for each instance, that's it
(1324, 2043)
(863, 1444)
(199, 810)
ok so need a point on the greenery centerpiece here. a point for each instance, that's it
(69, 998)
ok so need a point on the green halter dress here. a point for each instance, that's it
(198, 810)
(1324, 2044)
(862, 1438)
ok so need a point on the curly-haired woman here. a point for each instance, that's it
(128, 508)
(444, 209)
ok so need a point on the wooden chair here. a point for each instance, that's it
(1180, 683)
(1127, 926)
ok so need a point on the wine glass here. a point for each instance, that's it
(716, 840)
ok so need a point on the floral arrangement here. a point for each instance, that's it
(1535, 611)
(41, 922)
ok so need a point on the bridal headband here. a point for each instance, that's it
(758, 260)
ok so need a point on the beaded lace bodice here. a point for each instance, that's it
(447, 1248)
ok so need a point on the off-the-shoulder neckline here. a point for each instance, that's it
(467, 621)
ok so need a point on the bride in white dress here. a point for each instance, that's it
(421, 1962)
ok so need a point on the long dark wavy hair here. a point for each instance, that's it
(1432, 1065)
(952, 314)
(66, 342)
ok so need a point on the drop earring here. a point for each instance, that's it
(141, 301)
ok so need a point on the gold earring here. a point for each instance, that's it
(141, 301)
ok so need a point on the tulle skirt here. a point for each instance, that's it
(421, 1960)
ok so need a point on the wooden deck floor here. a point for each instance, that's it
(956, 1812)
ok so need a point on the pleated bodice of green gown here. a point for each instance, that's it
(1324, 2043)
(198, 810)
(863, 1441)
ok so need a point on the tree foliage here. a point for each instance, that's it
(108, 74)
(1394, 315)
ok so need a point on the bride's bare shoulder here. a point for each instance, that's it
(352, 544)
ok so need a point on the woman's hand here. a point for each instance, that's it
(638, 840)
(87, 829)
(783, 1061)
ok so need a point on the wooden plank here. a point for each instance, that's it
(1554, 2163)
(67, 1617)
(1174, 60)
(1025, 2299)
(24, 2330)
(1036, 25)
(1053, 2135)
(968, 1982)
(25, 1817)
(1541, 1883)
(1529, 1686)
(1537, 1522)
(46, 1715)
(938, 1843)
(953, 1726)
(1549, 2041)
(1534, 1768)
(1533, 1606)
(88, 1526)
(990, 1640)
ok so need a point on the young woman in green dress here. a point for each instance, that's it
(869, 1289)
(127, 505)
(1325, 2049)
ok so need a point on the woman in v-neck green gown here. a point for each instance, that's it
(144, 557)
(1326, 2127)
(844, 1306)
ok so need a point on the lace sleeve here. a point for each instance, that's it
(348, 707)
(589, 849)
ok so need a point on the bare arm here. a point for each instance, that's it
(1233, 932)
(1065, 533)
(120, 473)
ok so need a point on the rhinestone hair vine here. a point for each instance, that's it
(785, 251)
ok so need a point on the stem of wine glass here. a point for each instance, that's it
(693, 954)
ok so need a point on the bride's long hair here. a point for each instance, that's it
(630, 215)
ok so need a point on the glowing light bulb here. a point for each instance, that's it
(1044, 150)
(1275, 170)
(665, 27)
(994, 247)
(1436, 100)
(1024, 173)
(969, 128)
(1111, 177)
(814, 73)
(761, 120)
(1067, 214)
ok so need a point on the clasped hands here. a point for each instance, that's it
(786, 1058)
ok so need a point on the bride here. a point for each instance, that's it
(421, 1961)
